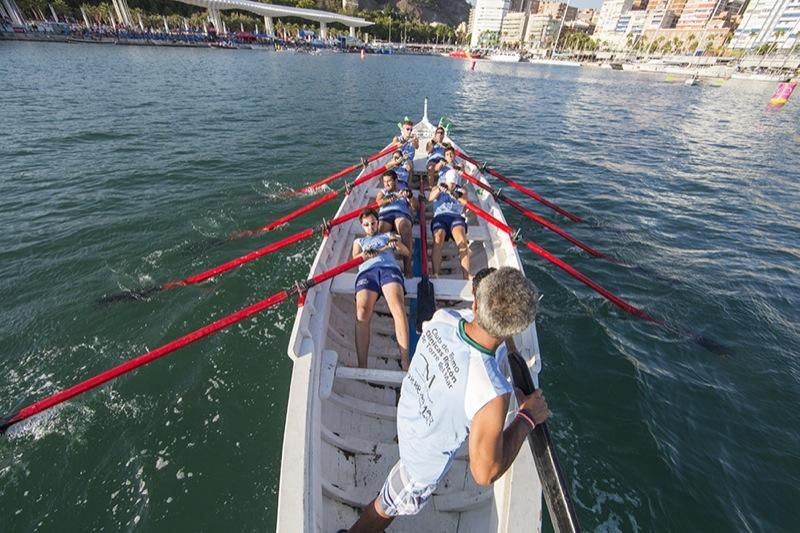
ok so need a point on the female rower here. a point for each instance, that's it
(448, 201)
(379, 276)
(397, 210)
(402, 167)
(435, 148)
(448, 163)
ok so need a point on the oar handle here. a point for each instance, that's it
(556, 492)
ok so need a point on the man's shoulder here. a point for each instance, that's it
(448, 316)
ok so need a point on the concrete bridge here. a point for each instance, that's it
(270, 11)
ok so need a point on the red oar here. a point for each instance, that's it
(239, 261)
(520, 188)
(309, 207)
(347, 170)
(170, 347)
(536, 218)
(706, 343)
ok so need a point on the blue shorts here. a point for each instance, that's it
(447, 222)
(391, 216)
(375, 278)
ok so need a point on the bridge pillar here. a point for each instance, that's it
(323, 30)
(353, 32)
(215, 18)
(269, 27)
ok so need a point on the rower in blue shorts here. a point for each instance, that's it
(448, 201)
(407, 141)
(448, 163)
(435, 148)
(403, 167)
(397, 208)
(379, 276)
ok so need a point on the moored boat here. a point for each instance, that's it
(464, 54)
(506, 56)
(340, 439)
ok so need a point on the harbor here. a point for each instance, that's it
(128, 168)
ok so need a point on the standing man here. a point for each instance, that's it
(454, 388)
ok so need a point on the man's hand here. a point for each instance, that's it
(535, 406)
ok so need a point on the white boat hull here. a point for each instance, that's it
(340, 434)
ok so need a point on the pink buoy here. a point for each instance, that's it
(782, 94)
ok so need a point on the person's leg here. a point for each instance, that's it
(404, 229)
(431, 175)
(439, 237)
(395, 299)
(372, 519)
(460, 236)
(384, 226)
(365, 303)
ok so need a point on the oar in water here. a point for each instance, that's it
(347, 170)
(124, 368)
(520, 188)
(560, 231)
(554, 485)
(426, 298)
(536, 218)
(309, 207)
(705, 342)
(325, 227)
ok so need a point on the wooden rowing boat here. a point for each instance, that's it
(340, 437)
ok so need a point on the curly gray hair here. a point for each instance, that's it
(507, 302)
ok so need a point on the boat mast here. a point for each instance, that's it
(563, 17)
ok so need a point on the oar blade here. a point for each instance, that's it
(129, 295)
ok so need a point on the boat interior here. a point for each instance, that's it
(345, 444)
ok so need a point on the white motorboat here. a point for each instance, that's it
(505, 56)
(340, 437)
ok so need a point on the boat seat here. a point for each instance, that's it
(444, 289)
(372, 375)
(474, 232)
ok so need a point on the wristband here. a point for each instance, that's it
(529, 419)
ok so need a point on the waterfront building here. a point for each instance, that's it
(659, 16)
(488, 21)
(513, 29)
(541, 32)
(558, 10)
(610, 12)
(639, 5)
(699, 13)
(768, 21)
(587, 15)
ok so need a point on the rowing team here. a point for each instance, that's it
(388, 233)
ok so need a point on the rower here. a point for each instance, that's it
(407, 141)
(435, 148)
(397, 210)
(447, 163)
(403, 167)
(448, 222)
(379, 276)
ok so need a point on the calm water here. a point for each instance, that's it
(118, 164)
